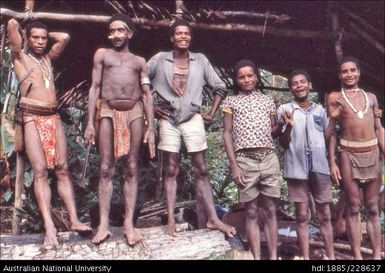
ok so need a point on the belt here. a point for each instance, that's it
(256, 155)
(357, 144)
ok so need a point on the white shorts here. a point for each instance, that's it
(192, 131)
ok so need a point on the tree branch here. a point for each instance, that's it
(273, 31)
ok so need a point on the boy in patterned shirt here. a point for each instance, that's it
(249, 128)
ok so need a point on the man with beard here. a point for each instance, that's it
(120, 79)
(361, 137)
(45, 142)
(306, 167)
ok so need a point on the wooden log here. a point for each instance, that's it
(156, 244)
(345, 247)
(272, 31)
(255, 15)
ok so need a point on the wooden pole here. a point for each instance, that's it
(19, 190)
(19, 183)
(336, 31)
(272, 31)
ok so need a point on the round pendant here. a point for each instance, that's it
(360, 114)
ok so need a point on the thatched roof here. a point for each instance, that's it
(304, 37)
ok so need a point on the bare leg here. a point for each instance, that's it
(172, 170)
(252, 228)
(64, 185)
(107, 169)
(270, 225)
(352, 193)
(324, 217)
(204, 192)
(373, 224)
(41, 188)
(130, 187)
(302, 219)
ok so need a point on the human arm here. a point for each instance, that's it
(377, 125)
(93, 95)
(218, 86)
(15, 39)
(61, 40)
(236, 171)
(288, 119)
(334, 105)
(211, 114)
(331, 143)
(152, 65)
(147, 100)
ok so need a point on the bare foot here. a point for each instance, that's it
(133, 236)
(171, 228)
(226, 229)
(81, 228)
(101, 235)
(50, 239)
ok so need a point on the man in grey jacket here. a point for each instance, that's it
(178, 77)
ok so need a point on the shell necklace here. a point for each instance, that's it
(359, 113)
(45, 71)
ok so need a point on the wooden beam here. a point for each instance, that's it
(272, 31)
(357, 29)
(252, 15)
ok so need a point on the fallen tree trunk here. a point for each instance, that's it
(192, 245)
(261, 29)
(345, 247)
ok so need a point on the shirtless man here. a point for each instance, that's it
(362, 136)
(120, 79)
(45, 141)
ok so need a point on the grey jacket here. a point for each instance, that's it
(201, 73)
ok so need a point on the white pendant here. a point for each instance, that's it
(46, 82)
(360, 114)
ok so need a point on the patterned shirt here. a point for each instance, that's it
(251, 119)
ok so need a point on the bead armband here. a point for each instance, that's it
(144, 81)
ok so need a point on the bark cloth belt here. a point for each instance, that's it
(358, 144)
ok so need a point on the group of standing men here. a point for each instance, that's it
(121, 102)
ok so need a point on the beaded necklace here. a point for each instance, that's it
(45, 71)
(359, 113)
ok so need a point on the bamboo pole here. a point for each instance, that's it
(272, 31)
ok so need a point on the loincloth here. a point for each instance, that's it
(365, 165)
(46, 122)
(121, 121)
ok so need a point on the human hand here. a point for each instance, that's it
(160, 113)
(89, 135)
(238, 176)
(28, 15)
(335, 174)
(289, 117)
(207, 117)
(149, 137)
